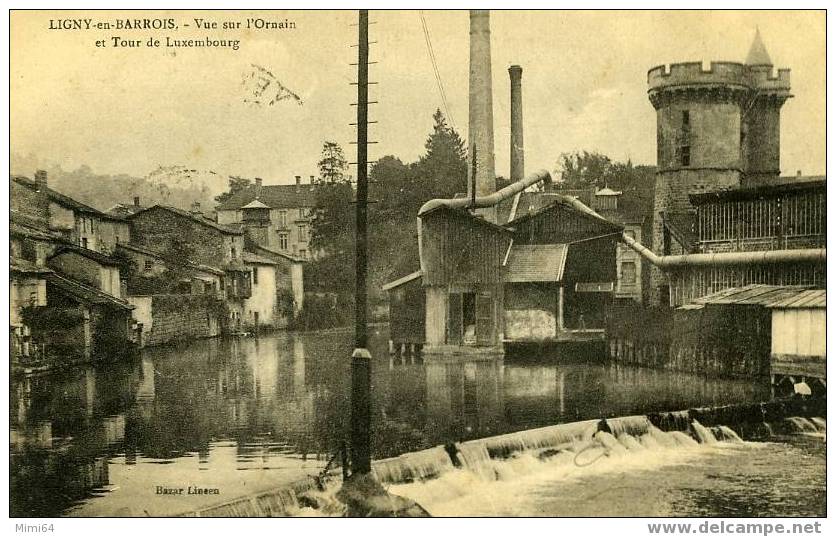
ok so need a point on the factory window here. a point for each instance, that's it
(283, 241)
(628, 273)
(255, 275)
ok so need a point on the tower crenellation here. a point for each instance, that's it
(717, 128)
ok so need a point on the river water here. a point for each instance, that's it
(221, 419)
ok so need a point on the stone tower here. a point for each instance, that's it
(716, 128)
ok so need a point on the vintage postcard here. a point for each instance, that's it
(485, 263)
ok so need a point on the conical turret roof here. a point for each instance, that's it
(757, 52)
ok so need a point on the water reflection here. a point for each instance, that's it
(248, 414)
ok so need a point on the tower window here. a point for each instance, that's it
(686, 119)
(685, 152)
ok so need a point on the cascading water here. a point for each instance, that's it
(704, 434)
(564, 452)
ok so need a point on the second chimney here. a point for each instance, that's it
(136, 201)
(517, 153)
(257, 187)
(41, 180)
(298, 183)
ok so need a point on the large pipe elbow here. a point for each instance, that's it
(540, 176)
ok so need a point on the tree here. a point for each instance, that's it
(332, 165)
(236, 184)
(583, 169)
(442, 171)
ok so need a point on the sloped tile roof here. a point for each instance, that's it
(273, 196)
(86, 293)
(98, 257)
(186, 214)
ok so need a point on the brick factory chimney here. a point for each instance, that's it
(257, 187)
(41, 179)
(482, 180)
(517, 152)
(136, 201)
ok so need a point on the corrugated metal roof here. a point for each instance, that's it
(536, 263)
(755, 294)
(812, 298)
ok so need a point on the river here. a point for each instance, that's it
(219, 419)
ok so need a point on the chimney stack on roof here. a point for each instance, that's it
(312, 182)
(196, 209)
(41, 179)
(482, 179)
(517, 153)
(298, 183)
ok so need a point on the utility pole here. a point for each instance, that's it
(361, 358)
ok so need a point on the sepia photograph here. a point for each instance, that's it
(419, 263)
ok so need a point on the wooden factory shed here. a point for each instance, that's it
(799, 338)
(462, 260)
(547, 276)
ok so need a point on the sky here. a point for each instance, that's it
(132, 110)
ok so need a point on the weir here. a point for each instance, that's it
(573, 445)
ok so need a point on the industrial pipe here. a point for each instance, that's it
(490, 200)
(726, 258)
(479, 202)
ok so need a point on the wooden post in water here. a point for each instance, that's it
(361, 358)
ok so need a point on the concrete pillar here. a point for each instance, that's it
(517, 153)
(480, 126)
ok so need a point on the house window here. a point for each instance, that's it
(686, 119)
(630, 233)
(303, 233)
(255, 275)
(628, 273)
(232, 251)
(303, 254)
(84, 242)
(301, 212)
(282, 241)
(282, 219)
(147, 265)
